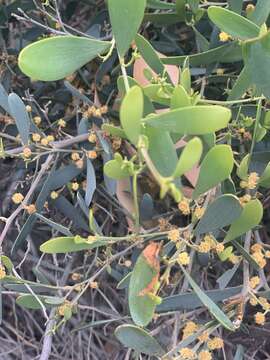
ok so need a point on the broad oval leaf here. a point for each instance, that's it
(139, 340)
(18, 111)
(131, 113)
(218, 314)
(63, 245)
(126, 17)
(29, 301)
(57, 57)
(265, 178)
(191, 120)
(234, 24)
(216, 167)
(180, 98)
(220, 213)
(142, 286)
(113, 169)
(189, 157)
(251, 216)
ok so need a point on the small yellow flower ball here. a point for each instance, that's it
(17, 198)
(259, 318)
(36, 137)
(54, 195)
(183, 258)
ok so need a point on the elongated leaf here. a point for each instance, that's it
(131, 113)
(257, 60)
(113, 169)
(261, 13)
(63, 245)
(126, 17)
(265, 178)
(190, 301)
(58, 227)
(236, 5)
(216, 167)
(190, 156)
(143, 281)
(234, 24)
(149, 55)
(246, 255)
(64, 175)
(218, 314)
(250, 217)
(192, 120)
(161, 150)
(139, 340)
(241, 85)
(20, 115)
(57, 57)
(164, 18)
(221, 212)
(4, 99)
(160, 5)
(29, 302)
(227, 53)
(90, 182)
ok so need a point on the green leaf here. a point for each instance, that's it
(18, 112)
(265, 178)
(161, 150)
(191, 120)
(221, 212)
(218, 314)
(131, 113)
(190, 301)
(233, 24)
(164, 18)
(149, 55)
(57, 57)
(257, 60)
(91, 182)
(139, 340)
(190, 156)
(236, 5)
(261, 12)
(251, 216)
(160, 5)
(113, 169)
(242, 83)
(216, 167)
(180, 98)
(29, 302)
(126, 17)
(226, 253)
(227, 53)
(114, 131)
(144, 278)
(63, 245)
(246, 255)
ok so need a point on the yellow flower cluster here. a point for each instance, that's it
(259, 318)
(258, 255)
(264, 303)
(254, 281)
(183, 258)
(174, 235)
(190, 328)
(17, 198)
(251, 182)
(207, 244)
(224, 36)
(215, 343)
(54, 195)
(183, 206)
(27, 152)
(62, 309)
(92, 138)
(245, 199)
(199, 212)
(92, 154)
(187, 354)
(2, 272)
(75, 186)
(62, 123)
(205, 355)
(31, 209)
(97, 112)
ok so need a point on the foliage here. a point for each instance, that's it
(153, 169)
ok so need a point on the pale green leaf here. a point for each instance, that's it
(216, 167)
(190, 156)
(57, 57)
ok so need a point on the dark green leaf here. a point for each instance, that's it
(20, 115)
